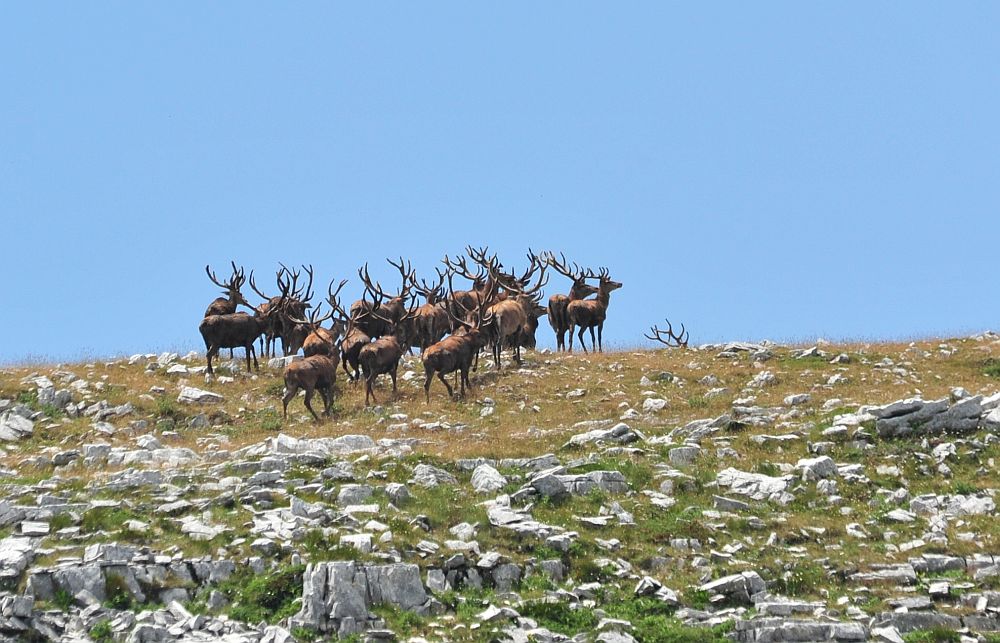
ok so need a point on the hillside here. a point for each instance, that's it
(730, 492)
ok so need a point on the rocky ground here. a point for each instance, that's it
(746, 492)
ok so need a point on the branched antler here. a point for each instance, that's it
(668, 337)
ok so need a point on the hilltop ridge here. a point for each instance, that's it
(735, 491)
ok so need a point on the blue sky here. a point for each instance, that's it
(779, 170)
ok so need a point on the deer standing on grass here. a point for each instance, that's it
(227, 305)
(382, 355)
(431, 322)
(314, 373)
(669, 337)
(237, 330)
(558, 304)
(456, 352)
(591, 313)
(322, 341)
(511, 315)
(270, 310)
(294, 334)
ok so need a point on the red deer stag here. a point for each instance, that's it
(295, 306)
(431, 322)
(558, 316)
(227, 305)
(231, 288)
(314, 373)
(668, 337)
(323, 341)
(456, 352)
(238, 330)
(591, 313)
(270, 310)
(382, 355)
(511, 315)
(393, 309)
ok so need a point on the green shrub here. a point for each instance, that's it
(267, 597)
(101, 632)
(933, 635)
(559, 617)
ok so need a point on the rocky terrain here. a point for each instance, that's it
(744, 492)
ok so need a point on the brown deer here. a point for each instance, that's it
(456, 352)
(295, 306)
(431, 321)
(269, 311)
(238, 330)
(314, 373)
(558, 316)
(231, 288)
(227, 305)
(668, 337)
(511, 315)
(382, 355)
(591, 313)
(322, 341)
(392, 309)
(464, 300)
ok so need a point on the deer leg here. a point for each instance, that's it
(593, 343)
(583, 344)
(370, 388)
(570, 338)
(451, 391)
(290, 391)
(309, 394)
(600, 338)
(326, 394)
(428, 376)
(256, 364)
(212, 352)
(392, 374)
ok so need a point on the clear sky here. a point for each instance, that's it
(781, 170)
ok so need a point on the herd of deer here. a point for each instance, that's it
(500, 309)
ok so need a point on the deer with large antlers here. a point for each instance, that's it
(236, 330)
(431, 321)
(382, 355)
(323, 341)
(591, 313)
(457, 351)
(293, 334)
(669, 337)
(270, 312)
(231, 288)
(388, 312)
(558, 304)
(511, 315)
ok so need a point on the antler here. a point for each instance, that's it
(461, 267)
(668, 337)
(235, 281)
(562, 266)
(314, 320)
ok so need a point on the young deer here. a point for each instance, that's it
(314, 373)
(590, 313)
(558, 304)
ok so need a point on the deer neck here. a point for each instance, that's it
(604, 297)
